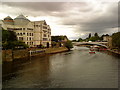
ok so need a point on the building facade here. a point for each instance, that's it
(110, 42)
(106, 38)
(42, 33)
(31, 33)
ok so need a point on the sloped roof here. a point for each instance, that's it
(8, 18)
(21, 17)
(21, 20)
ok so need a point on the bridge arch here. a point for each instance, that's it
(91, 43)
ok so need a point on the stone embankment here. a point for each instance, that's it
(10, 55)
(56, 50)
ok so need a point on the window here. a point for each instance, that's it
(44, 27)
(10, 29)
(23, 33)
(44, 39)
(17, 28)
(30, 38)
(29, 29)
(23, 28)
(36, 25)
(45, 35)
(21, 38)
(44, 31)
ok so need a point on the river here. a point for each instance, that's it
(73, 69)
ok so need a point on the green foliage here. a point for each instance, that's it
(94, 38)
(14, 45)
(8, 36)
(69, 45)
(96, 35)
(90, 38)
(116, 39)
(9, 40)
(74, 40)
(80, 40)
(89, 35)
(53, 44)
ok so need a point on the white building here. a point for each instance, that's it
(32, 33)
(42, 33)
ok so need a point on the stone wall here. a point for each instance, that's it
(20, 54)
(10, 55)
(7, 55)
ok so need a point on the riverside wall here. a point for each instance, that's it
(10, 55)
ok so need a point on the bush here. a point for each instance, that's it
(9, 41)
(53, 44)
(69, 45)
(14, 45)
(116, 40)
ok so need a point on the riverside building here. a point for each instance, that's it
(32, 33)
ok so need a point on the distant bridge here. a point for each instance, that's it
(104, 44)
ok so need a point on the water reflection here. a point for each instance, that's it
(74, 69)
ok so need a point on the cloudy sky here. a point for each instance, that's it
(74, 19)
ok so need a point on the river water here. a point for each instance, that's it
(73, 69)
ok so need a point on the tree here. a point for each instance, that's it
(8, 36)
(14, 45)
(116, 40)
(93, 39)
(80, 40)
(9, 40)
(89, 35)
(101, 38)
(96, 35)
(74, 40)
(53, 43)
(69, 45)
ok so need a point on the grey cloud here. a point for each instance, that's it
(98, 21)
(37, 6)
(57, 9)
(101, 23)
